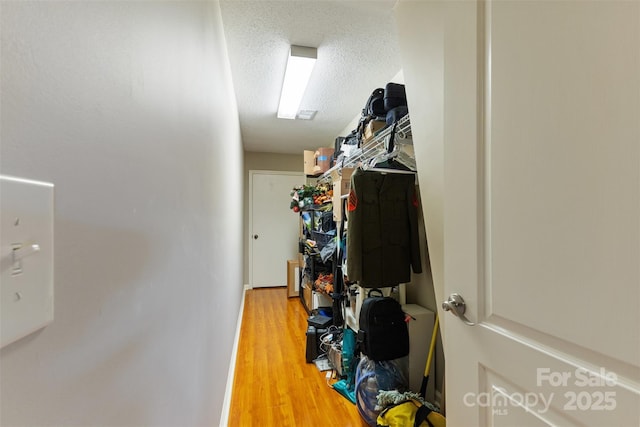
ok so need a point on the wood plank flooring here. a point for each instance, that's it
(273, 385)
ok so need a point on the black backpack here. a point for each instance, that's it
(375, 105)
(383, 333)
(373, 110)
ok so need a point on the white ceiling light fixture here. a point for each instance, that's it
(299, 68)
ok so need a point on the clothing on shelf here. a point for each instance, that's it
(382, 236)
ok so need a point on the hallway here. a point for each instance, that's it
(273, 385)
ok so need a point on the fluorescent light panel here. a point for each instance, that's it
(299, 68)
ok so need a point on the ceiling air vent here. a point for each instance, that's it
(306, 114)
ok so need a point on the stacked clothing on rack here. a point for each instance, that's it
(382, 236)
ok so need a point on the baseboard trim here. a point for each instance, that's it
(226, 405)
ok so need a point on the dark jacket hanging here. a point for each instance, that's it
(382, 229)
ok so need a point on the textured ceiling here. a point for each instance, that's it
(357, 52)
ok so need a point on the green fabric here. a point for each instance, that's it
(348, 352)
(382, 231)
(343, 388)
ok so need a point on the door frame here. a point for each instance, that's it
(250, 231)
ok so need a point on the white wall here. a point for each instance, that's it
(128, 108)
(423, 70)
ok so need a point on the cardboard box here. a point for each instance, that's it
(293, 280)
(341, 187)
(323, 156)
(309, 162)
(308, 295)
(339, 173)
(317, 162)
(372, 127)
(345, 180)
(337, 201)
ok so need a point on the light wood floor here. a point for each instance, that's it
(273, 386)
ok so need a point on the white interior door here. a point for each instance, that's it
(273, 237)
(529, 117)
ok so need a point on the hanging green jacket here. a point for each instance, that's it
(382, 229)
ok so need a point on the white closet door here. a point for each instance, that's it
(526, 123)
(273, 237)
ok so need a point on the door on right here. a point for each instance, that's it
(526, 125)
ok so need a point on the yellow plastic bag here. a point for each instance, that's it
(410, 413)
